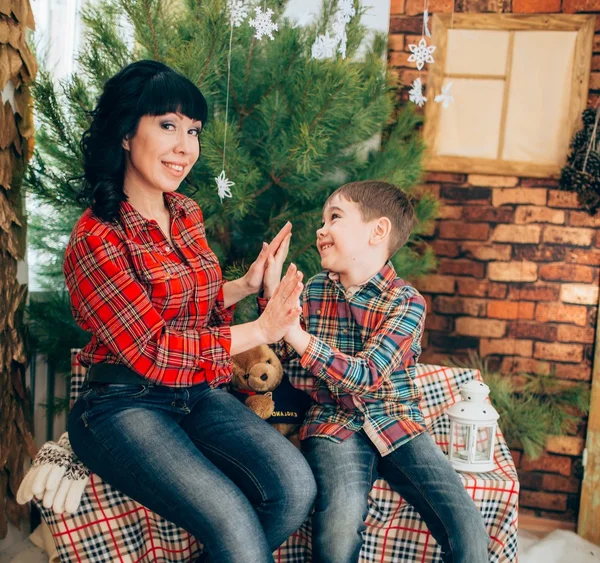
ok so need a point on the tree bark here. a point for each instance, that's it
(17, 70)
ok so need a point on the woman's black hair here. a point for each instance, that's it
(141, 88)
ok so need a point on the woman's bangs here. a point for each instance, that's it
(173, 93)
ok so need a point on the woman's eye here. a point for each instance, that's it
(194, 132)
(168, 125)
(268, 361)
(335, 216)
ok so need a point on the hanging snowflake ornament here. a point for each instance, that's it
(426, 23)
(415, 95)
(446, 98)
(345, 13)
(263, 24)
(339, 32)
(421, 53)
(347, 9)
(224, 185)
(238, 11)
(324, 47)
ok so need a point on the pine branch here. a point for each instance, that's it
(243, 111)
(147, 9)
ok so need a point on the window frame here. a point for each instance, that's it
(584, 26)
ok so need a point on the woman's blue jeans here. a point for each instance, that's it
(418, 470)
(199, 458)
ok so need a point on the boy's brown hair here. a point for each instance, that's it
(377, 199)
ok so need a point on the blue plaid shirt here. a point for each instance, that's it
(361, 358)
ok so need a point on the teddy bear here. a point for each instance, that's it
(261, 384)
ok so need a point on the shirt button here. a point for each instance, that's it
(345, 331)
(318, 311)
(167, 248)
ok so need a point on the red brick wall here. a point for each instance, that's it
(518, 268)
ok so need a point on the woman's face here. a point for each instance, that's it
(162, 151)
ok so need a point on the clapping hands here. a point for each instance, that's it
(271, 257)
(283, 310)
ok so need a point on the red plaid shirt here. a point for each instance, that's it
(152, 306)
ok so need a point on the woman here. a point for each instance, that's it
(154, 422)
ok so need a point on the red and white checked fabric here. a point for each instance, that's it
(110, 527)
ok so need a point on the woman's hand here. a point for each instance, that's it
(274, 267)
(253, 279)
(282, 311)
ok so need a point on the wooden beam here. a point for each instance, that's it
(506, 93)
(588, 526)
(435, 79)
(516, 22)
(468, 165)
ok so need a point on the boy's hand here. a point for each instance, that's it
(253, 279)
(282, 311)
(275, 267)
(297, 338)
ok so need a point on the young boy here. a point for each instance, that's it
(360, 338)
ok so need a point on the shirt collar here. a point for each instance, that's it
(133, 220)
(379, 282)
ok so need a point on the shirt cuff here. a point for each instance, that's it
(228, 315)
(225, 339)
(316, 355)
(221, 357)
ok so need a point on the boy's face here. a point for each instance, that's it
(344, 239)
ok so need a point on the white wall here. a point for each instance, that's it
(58, 33)
(377, 17)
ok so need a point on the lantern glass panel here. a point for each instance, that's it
(483, 445)
(461, 439)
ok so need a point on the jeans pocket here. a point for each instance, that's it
(118, 391)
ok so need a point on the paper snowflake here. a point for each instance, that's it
(446, 97)
(224, 185)
(238, 11)
(347, 9)
(339, 33)
(421, 53)
(324, 47)
(426, 23)
(415, 95)
(263, 24)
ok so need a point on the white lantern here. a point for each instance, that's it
(473, 423)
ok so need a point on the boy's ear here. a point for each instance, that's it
(381, 230)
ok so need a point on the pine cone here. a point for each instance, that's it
(590, 199)
(580, 140)
(593, 164)
(582, 181)
(566, 178)
(588, 117)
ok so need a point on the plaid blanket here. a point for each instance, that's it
(110, 527)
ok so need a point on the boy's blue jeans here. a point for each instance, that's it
(418, 471)
(199, 458)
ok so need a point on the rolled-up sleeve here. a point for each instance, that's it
(385, 350)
